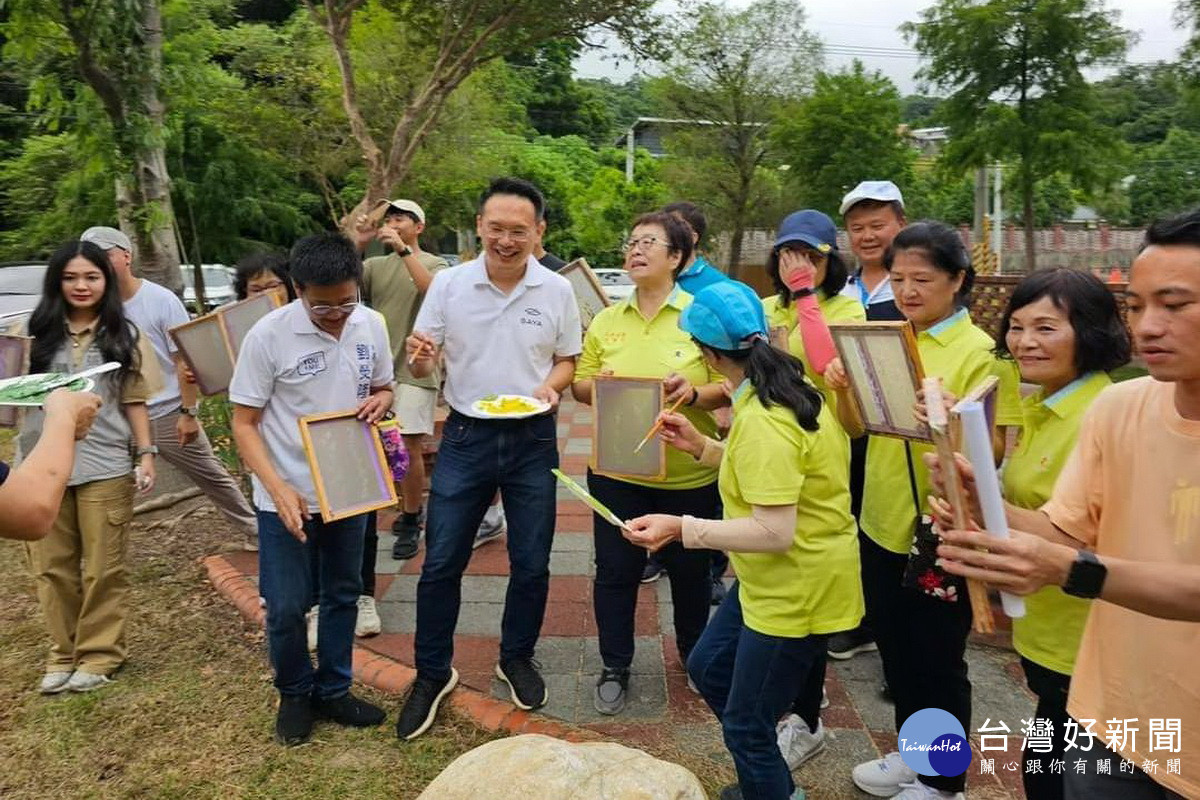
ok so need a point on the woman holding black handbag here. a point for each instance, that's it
(921, 629)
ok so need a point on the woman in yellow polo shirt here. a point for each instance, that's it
(808, 274)
(922, 639)
(785, 486)
(640, 338)
(1065, 332)
(812, 236)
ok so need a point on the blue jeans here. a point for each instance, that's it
(749, 680)
(475, 458)
(286, 580)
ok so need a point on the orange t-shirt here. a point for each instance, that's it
(1131, 490)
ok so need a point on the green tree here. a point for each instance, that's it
(1014, 71)
(846, 131)
(446, 42)
(115, 49)
(920, 111)
(729, 74)
(1166, 177)
(557, 104)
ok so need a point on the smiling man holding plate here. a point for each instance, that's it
(509, 332)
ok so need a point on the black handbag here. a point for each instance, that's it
(922, 572)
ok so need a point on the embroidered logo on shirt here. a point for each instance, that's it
(533, 312)
(311, 364)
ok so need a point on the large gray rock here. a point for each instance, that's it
(535, 767)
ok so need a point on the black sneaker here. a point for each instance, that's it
(653, 570)
(719, 590)
(611, 690)
(294, 720)
(348, 710)
(408, 535)
(848, 644)
(421, 706)
(525, 685)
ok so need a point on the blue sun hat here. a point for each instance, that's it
(807, 227)
(725, 316)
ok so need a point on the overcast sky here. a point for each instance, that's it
(868, 30)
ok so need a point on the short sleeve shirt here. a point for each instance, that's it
(813, 587)
(155, 310)
(700, 274)
(290, 368)
(961, 355)
(622, 340)
(1131, 489)
(1049, 632)
(388, 288)
(497, 343)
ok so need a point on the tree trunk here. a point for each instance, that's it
(148, 218)
(735, 248)
(1027, 198)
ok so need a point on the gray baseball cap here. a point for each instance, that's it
(107, 238)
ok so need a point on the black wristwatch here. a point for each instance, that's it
(798, 293)
(405, 253)
(1086, 577)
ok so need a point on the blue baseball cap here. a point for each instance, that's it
(727, 315)
(810, 227)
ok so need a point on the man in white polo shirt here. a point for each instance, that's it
(174, 410)
(506, 325)
(321, 353)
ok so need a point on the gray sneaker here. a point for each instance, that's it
(55, 682)
(611, 690)
(87, 681)
(491, 528)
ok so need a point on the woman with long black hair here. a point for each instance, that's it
(79, 568)
(785, 486)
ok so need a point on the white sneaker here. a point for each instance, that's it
(883, 777)
(87, 681)
(919, 791)
(797, 743)
(54, 682)
(312, 616)
(368, 622)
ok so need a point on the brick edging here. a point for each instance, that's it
(388, 675)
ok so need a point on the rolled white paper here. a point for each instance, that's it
(978, 440)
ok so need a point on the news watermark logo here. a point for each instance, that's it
(933, 742)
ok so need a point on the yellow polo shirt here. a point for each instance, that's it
(961, 355)
(1050, 631)
(838, 308)
(621, 339)
(770, 460)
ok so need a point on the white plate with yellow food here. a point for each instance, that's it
(509, 406)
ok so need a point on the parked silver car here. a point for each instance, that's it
(218, 286)
(20, 289)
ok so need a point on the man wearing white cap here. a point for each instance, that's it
(176, 431)
(873, 213)
(395, 285)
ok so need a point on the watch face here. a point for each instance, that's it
(1086, 578)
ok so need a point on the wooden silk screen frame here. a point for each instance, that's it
(349, 468)
(589, 294)
(14, 361)
(885, 373)
(624, 409)
(210, 344)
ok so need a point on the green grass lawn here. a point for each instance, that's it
(191, 714)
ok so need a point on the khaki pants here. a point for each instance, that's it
(198, 462)
(79, 569)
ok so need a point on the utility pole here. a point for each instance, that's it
(981, 202)
(629, 146)
(998, 218)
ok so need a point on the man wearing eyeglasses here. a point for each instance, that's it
(506, 325)
(322, 354)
